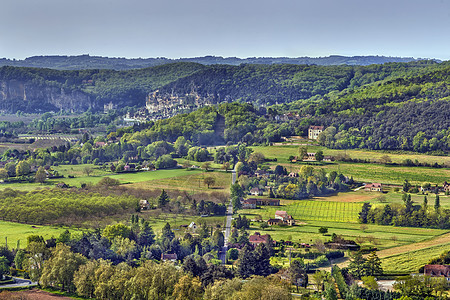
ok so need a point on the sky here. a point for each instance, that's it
(229, 28)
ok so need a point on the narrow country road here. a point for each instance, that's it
(19, 282)
(228, 223)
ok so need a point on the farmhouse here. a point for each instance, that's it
(437, 271)
(328, 158)
(373, 187)
(271, 222)
(284, 217)
(144, 205)
(263, 202)
(249, 204)
(446, 187)
(280, 214)
(192, 226)
(256, 192)
(310, 156)
(256, 239)
(314, 131)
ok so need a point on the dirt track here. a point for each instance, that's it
(33, 294)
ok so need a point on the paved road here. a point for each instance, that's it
(19, 282)
(228, 223)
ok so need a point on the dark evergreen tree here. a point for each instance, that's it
(163, 199)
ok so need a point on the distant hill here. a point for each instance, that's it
(181, 87)
(82, 62)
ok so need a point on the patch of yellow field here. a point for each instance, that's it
(350, 197)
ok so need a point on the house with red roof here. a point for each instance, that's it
(437, 271)
(256, 239)
(373, 187)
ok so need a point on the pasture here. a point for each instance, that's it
(19, 232)
(189, 181)
(282, 153)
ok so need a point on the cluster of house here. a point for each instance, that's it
(311, 156)
(281, 218)
(445, 188)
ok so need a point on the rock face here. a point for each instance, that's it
(31, 96)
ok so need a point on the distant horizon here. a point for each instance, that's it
(222, 56)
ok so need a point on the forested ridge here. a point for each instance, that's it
(409, 113)
(79, 62)
(258, 84)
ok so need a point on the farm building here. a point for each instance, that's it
(263, 202)
(256, 239)
(256, 191)
(192, 226)
(144, 205)
(284, 217)
(437, 271)
(310, 156)
(373, 187)
(271, 222)
(249, 204)
(446, 187)
(172, 257)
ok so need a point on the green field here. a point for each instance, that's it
(312, 210)
(98, 174)
(16, 231)
(367, 172)
(410, 262)
(339, 214)
(283, 152)
(190, 181)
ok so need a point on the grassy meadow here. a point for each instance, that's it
(282, 153)
(19, 232)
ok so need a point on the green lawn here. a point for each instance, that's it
(19, 232)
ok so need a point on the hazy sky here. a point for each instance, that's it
(244, 28)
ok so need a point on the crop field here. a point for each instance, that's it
(311, 210)
(411, 261)
(19, 232)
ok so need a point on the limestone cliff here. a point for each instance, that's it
(32, 96)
